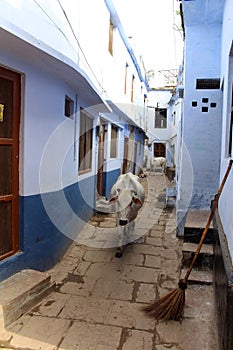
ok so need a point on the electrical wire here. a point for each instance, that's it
(76, 39)
(60, 30)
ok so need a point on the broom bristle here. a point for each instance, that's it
(169, 307)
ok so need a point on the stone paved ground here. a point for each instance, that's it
(98, 298)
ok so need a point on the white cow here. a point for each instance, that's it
(160, 161)
(126, 197)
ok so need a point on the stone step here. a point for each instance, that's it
(21, 292)
(197, 219)
(204, 259)
(206, 249)
(198, 276)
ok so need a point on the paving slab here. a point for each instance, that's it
(40, 333)
(138, 340)
(129, 315)
(84, 336)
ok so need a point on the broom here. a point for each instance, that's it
(171, 305)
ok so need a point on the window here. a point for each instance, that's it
(113, 151)
(126, 73)
(85, 141)
(174, 118)
(111, 35)
(132, 88)
(69, 107)
(161, 118)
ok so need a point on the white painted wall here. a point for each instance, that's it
(47, 151)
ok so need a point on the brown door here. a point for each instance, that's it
(10, 83)
(125, 160)
(100, 170)
(159, 150)
(135, 157)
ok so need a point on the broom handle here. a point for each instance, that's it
(208, 222)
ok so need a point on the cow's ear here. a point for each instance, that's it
(137, 201)
(112, 200)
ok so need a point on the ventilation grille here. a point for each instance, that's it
(210, 84)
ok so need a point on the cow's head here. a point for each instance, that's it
(126, 204)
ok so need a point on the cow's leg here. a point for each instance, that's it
(119, 251)
(129, 231)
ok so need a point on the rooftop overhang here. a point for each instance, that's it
(23, 47)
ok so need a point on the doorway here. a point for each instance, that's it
(159, 150)
(125, 159)
(101, 151)
(10, 95)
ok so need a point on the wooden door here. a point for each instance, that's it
(10, 84)
(135, 157)
(100, 170)
(159, 150)
(125, 159)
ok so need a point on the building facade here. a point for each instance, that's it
(63, 135)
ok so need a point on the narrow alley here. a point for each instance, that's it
(97, 300)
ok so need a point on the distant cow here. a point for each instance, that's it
(126, 197)
(160, 161)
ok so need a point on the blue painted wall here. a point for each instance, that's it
(42, 242)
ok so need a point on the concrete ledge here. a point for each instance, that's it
(20, 292)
